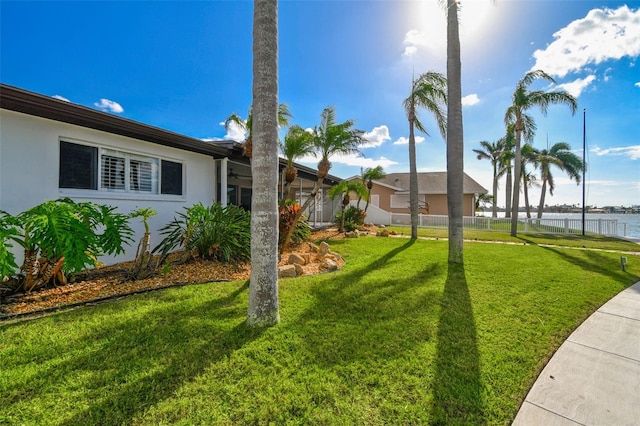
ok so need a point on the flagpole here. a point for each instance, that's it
(584, 149)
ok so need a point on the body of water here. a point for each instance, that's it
(631, 227)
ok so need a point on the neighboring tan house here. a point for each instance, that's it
(51, 148)
(391, 194)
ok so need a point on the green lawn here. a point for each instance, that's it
(396, 337)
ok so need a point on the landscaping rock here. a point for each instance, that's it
(296, 258)
(328, 265)
(382, 233)
(324, 248)
(352, 234)
(287, 271)
(299, 269)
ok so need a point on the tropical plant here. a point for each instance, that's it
(558, 155)
(62, 237)
(214, 232)
(344, 190)
(528, 177)
(522, 100)
(370, 174)
(297, 143)
(455, 143)
(429, 91)
(493, 151)
(143, 266)
(330, 138)
(245, 125)
(263, 310)
(288, 211)
(351, 219)
(9, 234)
(482, 200)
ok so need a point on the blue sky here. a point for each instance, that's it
(185, 66)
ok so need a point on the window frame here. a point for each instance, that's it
(129, 156)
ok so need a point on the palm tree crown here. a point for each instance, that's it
(522, 100)
(246, 125)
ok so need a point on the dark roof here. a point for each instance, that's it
(15, 99)
(20, 100)
(431, 183)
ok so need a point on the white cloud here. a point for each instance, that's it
(576, 87)
(109, 106)
(602, 35)
(62, 98)
(409, 51)
(234, 132)
(637, 84)
(376, 137)
(405, 141)
(470, 100)
(633, 151)
(354, 160)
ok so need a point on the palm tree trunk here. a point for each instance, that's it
(263, 308)
(508, 190)
(525, 190)
(494, 207)
(517, 172)
(455, 144)
(413, 179)
(543, 192)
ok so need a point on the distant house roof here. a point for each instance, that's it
(23, 101)
(430, 183)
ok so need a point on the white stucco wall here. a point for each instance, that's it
(29, 163)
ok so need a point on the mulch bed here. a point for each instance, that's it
(110, 282)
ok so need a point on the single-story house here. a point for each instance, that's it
(391, 194)
(50, 148)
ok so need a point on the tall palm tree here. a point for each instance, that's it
(559, 155)
(245, 125)
(344, 189)
(522, 100)
(369, 175)
(329, 138)
(429, 91)
(297, 143)
(493, 151)
(263, 310)
(455, 143)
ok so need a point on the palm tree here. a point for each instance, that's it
(344, 189)
(522, 100)
(263, 310)
(429, 91)
(494, 153)
(559, 155)
(329, 138)
(455, 143)
(369, 175)
(297, 143)
(245, 125)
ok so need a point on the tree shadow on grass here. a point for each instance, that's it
(133, 363)
(457, 388)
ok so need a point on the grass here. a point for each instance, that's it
(601, 242)
(396, 337)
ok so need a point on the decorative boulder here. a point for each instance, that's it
(324, 248)
(328, 265)
(382, 233)
(299, 269)
(296, 258)
(287, 271)
(352, 234)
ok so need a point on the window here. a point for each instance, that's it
(78, 166)
(399, 201)
(118, 171)
(171, 178)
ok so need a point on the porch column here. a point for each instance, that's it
(223, 181)
(215, 181)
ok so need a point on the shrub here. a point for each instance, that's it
(216, 232)
(288, 211)
(9, 232)
(353, 218)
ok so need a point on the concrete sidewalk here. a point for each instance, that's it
(594, 377)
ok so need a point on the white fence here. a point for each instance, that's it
(543, 225)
